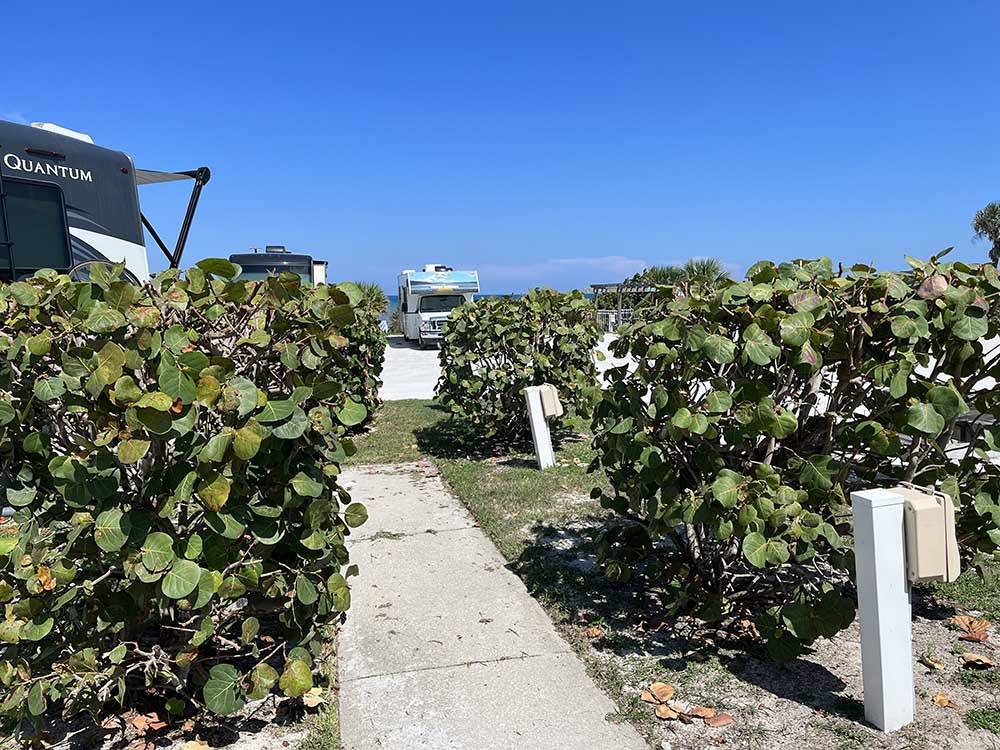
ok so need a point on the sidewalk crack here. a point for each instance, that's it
(498, 660)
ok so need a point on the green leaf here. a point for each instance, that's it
(297, 679)
(181, 579)
(37, 629)
(41, 343)
(247, 440)
(111, 530)
(214, 491)
(719, 349)
(355, 515)
(305, 590)
(176, 384)
(222, 692)
(726, 487)
(758, 345)
(157, 551)
(969, 328)
(47, 389)
(718, 402)
(925, 418)
(275, 411)
(36, 698)
(155, 400)
(682, 418)
(946, 401)
(352, 413)
(24, 294)
(795, 328)
(249, 630)
(215, 449)
(262, 680)
(219, 267)
(156, 422)
(760, 551)
(132, 451)
(104, 319)
(303, 485)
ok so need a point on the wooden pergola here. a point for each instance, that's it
(618, 289)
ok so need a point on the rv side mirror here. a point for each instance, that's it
(929, 532)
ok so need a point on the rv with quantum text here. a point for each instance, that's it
(66, 203)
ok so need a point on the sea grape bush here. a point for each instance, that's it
(497, 346)
(172, 453)
(364, 355)
(756, 407)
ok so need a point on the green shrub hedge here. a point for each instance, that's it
(364, 355)
(497, 346)
(172, 453)
(755, 409)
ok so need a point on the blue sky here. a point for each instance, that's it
(557, 143)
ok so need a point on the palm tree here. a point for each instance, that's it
(986, 225)
(373, 298)
(704, 270)
(660, 275)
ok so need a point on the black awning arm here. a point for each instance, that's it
(201, 176)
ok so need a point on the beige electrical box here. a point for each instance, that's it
(929, 525)
(551, 405)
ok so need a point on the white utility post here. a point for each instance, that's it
(883, 608)
(539, 427)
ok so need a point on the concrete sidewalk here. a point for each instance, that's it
(444, 648)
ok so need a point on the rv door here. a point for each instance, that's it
(34, 230)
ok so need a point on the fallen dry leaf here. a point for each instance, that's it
(148, 723)
(314, 697)
(594, 631)
(977, 661)
(942, 700)
(973, 628)
(195, 744)
(719, 720)
(663, 711)
(662, 691)
(931, 662)
(647, 697)
(701, 712)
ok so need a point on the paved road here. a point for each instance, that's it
(409, 372)
(444, 649)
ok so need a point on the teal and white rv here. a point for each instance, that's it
(427, 297)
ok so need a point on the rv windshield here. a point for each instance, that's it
(255, 273)
(439, 303)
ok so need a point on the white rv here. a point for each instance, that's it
(427, 297)
(66, 203)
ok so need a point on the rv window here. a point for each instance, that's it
(440, 303)
(36, 223)
(256, 273)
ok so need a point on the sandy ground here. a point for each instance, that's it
(410, 372)
(814, 702)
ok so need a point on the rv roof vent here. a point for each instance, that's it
(58, 129)
(437, 268)
(275, 249)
